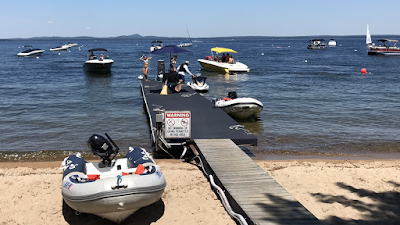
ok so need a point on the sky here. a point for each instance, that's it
(203, 18)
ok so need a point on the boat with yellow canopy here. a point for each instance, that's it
(216, 63)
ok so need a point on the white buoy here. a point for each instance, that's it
(305, 61)
(262, 53)
(37, 57)
(59, 53)
(355, 50)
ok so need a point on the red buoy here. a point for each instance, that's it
(363, 71)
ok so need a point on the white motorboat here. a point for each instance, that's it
(114, 188)
(384, 47)
(30, 51)
(199, 84)
(241, 108)
(332, 43)
(100, 61)
(214, 63)
(72, 44)
(185, 44)
(317, 44)
(156, 45)
(61, 48)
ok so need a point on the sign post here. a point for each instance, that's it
(177, 124)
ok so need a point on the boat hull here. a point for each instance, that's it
(98, 65)
(33, 53)
(223, 67)
(383, 52)
(112, 192)
(241, 108)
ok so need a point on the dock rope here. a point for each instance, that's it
(222, 196)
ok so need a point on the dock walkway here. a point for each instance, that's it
(251, 189)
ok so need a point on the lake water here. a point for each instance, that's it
(314, 100)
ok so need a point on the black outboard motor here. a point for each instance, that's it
(160, 69)
(102, 148)
(232, 95)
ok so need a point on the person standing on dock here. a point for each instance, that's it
(146, 65)
(182, 69)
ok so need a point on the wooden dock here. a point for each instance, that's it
(251, 191)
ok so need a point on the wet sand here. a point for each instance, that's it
(335, 191)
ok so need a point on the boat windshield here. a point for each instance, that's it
(97, 52)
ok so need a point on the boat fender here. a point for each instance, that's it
(208, 57)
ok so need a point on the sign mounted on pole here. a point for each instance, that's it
(177, 124)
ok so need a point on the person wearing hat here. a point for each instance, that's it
(182, 69)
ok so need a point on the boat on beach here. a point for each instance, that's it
(30, 51)
(156, 45)
(317, 44)
(241, 108)
(213, 63)
(95, 62)
(113, 188)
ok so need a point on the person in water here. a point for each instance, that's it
(146, 65)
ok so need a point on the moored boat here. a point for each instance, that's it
(30, 51)
(317, 44)
(332, 43)
(199, 84)
(61, 48)
(99, 62)
(213, 63)
(241, 108)
(156, 45)
(384, 47)
(113, 188)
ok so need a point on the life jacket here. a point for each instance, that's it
(181, 68)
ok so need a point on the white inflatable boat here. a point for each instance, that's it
(241, 108)
(199, 84)
(111, 189)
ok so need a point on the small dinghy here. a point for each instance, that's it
(241, 108)
(111, 189)
(199, 84)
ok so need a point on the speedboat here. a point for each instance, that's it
(185, 44)
(316, 44)
(155, 45)
(199, 84)
(113, 188)
(213, 63)
(61, 48)
(72, 44)
(241, 108)
(332, 43)
(30, 51)
(385, 47)
(97, 62)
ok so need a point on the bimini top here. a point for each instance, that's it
(384, 40)
(221, 50)
(97, 49)
(317, 40)
(156, 42)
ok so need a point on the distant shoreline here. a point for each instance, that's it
(139, 37)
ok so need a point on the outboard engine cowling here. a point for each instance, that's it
(101, 147)
(232, 95)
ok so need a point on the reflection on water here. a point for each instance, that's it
(254, 124)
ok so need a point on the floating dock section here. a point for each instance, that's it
(207, 121)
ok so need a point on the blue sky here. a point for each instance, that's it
(204, 18)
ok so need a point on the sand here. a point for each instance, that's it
(335, 191)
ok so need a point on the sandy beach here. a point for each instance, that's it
(335, 191)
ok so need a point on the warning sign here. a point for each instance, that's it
(177, 124)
